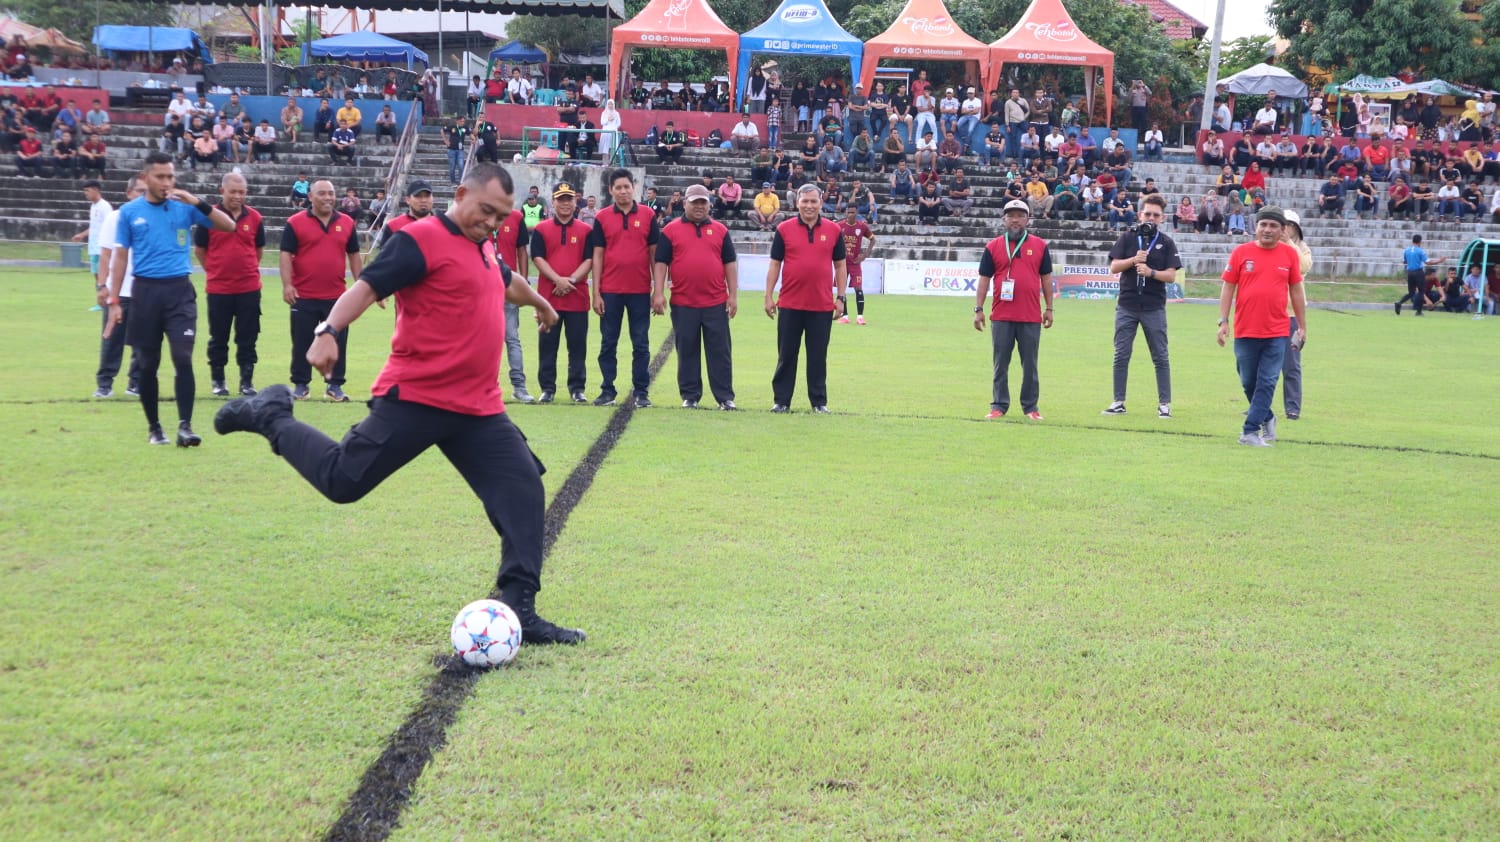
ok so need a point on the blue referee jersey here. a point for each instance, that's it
(1416, 259)
(159, 237)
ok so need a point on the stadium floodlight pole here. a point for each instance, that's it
(1206, 121)
(268, 41)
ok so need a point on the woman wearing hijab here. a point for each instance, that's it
(609, 121)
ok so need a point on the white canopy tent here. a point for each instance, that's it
(1264, 79)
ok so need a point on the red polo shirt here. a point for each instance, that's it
(232, 261)
(450, 317)
(696, 256)
(627, 238)
(564, 247)
(398, 223)
(1033, 261)
(318, 253)
(1262, 279)
(511, 237)
(807, 254)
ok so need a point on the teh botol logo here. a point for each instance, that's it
(939, 26)
(1062, 31)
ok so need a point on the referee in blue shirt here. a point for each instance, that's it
(157, 229)
(1416, 260)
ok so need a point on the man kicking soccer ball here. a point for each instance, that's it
(438, 387)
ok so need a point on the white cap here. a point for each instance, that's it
(1017, 204)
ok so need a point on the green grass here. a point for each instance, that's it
(895, 622)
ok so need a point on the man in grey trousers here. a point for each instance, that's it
(1146, 260)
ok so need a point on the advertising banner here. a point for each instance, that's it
(939, 277)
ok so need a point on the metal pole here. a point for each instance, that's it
(268, 38)
(442, 68)
(1213, 71)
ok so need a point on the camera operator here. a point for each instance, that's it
(1146, 260)
(1140, 98)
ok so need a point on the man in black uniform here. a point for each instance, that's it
(1146, 261)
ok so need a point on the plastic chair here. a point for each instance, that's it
(543, 96)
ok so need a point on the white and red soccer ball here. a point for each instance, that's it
(486, 633)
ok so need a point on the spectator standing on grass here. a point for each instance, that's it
(1261, 276)
(512, 242)
(621, 246)
(231, 262)
(1146, 260)
(99, 211)
(1021, 267)
(855, 232)
(439, 386)
(1291, 369)
(1416, 260)
(112, 341)
(807, 258)
(697, 254)
(154, 230)
(315, 243)
(559, 249)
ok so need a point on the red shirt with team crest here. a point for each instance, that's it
(232, 258)
(318, 262)
(627, 239)
(564, 247)
(807, 254)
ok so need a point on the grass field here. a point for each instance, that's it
(895, 622)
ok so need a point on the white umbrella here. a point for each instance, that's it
(1264, 79)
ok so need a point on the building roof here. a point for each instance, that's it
(1179, 25)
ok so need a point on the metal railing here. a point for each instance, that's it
(395, 178)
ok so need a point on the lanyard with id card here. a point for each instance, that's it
(1008, 286)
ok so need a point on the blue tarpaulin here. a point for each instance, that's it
(799, 27)
(114, 38)
(517, 53)
(367, 46)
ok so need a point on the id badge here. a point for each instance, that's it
(1007, 290)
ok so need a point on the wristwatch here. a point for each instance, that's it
(325, 327)
(1223, 322)
(979, 309)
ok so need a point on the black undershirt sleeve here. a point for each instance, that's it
(399, 265)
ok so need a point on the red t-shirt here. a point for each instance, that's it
(232, 260)
(696, 257)
(318, 253)
(807, 254)
(1033, 261)
(627, 240)
(30, 146)
(398, 223)
(1379, 155)
(564, 247)
(450, 317)
(1262, 278)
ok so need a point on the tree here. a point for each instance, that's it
(1234, 56)
(1382, 38)
(78, 22)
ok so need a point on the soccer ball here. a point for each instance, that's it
(486, 633)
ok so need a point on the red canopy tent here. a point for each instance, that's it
(1046, 34)
(670, 25)
(924, 31)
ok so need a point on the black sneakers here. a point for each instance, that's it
(780, 408)
(186, 437)
(580, 397)
(301, 392)
(605, 399)
(219, 390)
(642, 402)
(545, 398)
(156, 436)
(336, 394)
(253, 414)
(247, 389)
(535, 630)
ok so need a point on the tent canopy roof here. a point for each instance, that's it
(802, 27)
(516, 52)
(1264, 79)
(139, 39)
(366, 46)
(671, 25)
(1046, 34)
(925, 30)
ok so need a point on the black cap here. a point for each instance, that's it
(418, 185)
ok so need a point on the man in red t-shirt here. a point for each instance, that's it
(29, 157)
(418, 206)
(440, 385)
(560, 252)
(231, 260)
(621, 245)
(1261, 275)
(1023, 264)
(855, 231)
(697, 253)
(807, 255)
(314, 246)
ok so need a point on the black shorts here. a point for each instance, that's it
(162, 307)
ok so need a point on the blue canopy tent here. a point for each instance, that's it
(517, 53)
(798, 27)
(114, 38)
(367, 46)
